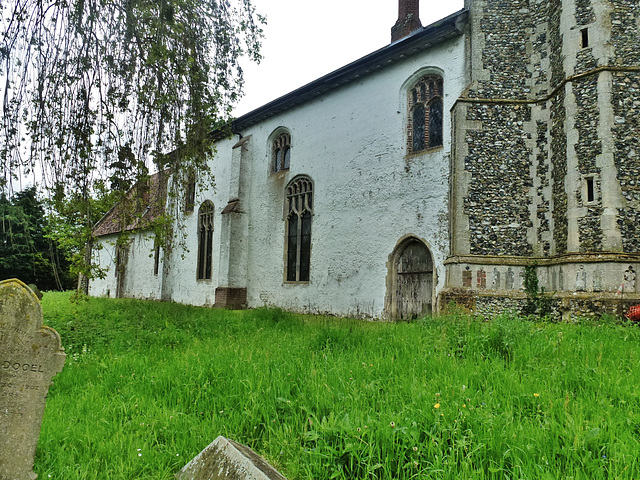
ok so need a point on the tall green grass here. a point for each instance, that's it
(148, 385)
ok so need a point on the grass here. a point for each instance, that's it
(148, 385)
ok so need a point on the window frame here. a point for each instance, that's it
(422, 95)
(298, 214)
(281, 152)
(204, 264)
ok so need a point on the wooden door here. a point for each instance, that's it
(415, 282)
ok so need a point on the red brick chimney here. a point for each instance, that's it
(408, 19)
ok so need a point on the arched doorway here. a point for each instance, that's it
(410, 281)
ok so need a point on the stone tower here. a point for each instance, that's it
(546, 159)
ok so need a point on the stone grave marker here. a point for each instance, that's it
(30, 355)
(226, 459)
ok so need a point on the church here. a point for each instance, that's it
(443, 168)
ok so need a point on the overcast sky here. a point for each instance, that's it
(305, 40)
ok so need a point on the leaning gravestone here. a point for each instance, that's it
(30, 355)
(226, 459)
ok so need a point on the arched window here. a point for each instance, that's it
(281, 152)
(299, 211)
(205, 240)
(425, 113)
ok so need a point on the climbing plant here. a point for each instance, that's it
(539, 303)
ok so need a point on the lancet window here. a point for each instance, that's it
(205, 241)
(299, 212)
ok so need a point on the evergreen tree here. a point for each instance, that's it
(25, 251)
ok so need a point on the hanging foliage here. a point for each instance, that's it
(102, 90)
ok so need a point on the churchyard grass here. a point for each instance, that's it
(148, 385)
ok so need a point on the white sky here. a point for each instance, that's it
(306, 39)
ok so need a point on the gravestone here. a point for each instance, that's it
(226, 459)
(30, 355)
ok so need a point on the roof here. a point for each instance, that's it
(422, 39)
(140, 207)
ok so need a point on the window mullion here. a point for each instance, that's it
(299, 247)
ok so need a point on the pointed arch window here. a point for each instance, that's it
(425, 114)
(299, 212)
(282, 152)
(205, 241)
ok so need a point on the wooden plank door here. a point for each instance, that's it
(415, 282)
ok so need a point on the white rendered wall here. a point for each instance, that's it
(104, 254)
(140, 279)
(368, 194)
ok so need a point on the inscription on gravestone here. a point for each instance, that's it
(30, 355)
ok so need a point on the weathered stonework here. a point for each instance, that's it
(550, 173)
(499, 167)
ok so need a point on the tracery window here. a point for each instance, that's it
(425, 114)
(299, 211)
(205, 241)
(281, 152)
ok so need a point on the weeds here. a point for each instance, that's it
(148, 385)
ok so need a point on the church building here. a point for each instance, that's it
(445, 167)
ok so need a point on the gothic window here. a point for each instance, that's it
(299, 211)
(205, 240)
(281, 152)
(425, 114)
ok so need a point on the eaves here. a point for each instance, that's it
(422, 39)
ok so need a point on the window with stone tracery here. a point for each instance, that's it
(205, 241)
(281, 152)
(425, 114)
(299, 211)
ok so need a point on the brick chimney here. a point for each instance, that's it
(408, 19)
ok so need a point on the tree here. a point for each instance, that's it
(25, 251)
(105, 88)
